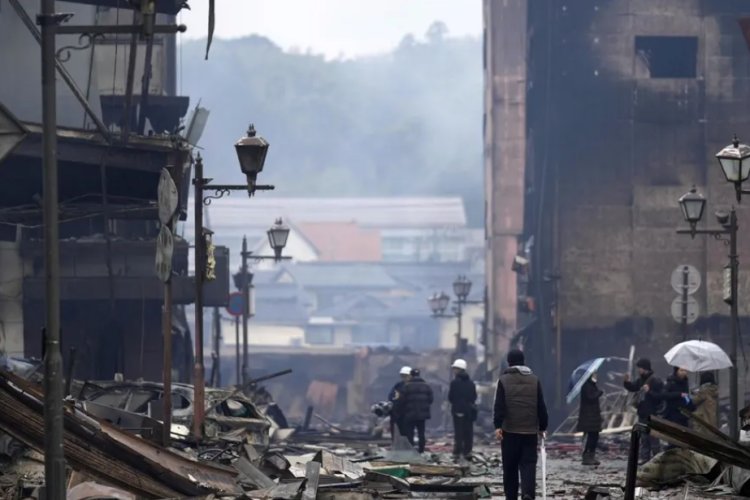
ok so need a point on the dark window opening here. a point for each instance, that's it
(668, 56)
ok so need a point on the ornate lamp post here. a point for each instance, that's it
(735, 164)
(439, 302)
(693, 205)
(251, 152)
(277, 238)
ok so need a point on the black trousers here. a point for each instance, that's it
(519, 456)
(592, 440)
(410, 427)
(649, 446)
(463, 432)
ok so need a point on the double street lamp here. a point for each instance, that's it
(735, 164)
(251, 153)
(439, 302)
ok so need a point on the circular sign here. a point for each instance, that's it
(693, 310)
(686, 275)
(167, 196)
(164, 252)
(234, 304)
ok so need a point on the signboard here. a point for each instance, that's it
(168, 197)
(693, 279)
(234, 307)
(164, 252)
(693, 310)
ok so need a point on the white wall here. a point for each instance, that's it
(11, 299)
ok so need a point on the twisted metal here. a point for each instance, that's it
(218, 193)
(85, 41)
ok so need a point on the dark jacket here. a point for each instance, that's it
(462, 395)
(672, 396)
(417, 400)
(519, 402)
(396, 397)
(590, 413)
(648, 403)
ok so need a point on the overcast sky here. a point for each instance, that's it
(334, 27)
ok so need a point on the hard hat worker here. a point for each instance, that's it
(462, 396)
(396, 397)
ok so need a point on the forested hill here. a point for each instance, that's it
(404, 123)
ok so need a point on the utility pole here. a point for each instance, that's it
(734, 318)
(54, 457)
(245, 309)
(200, 268)
(167, 368)
(459, 335)
(237, 348)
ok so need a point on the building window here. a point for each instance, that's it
(668, 56)
(319, 335)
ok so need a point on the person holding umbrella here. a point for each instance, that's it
(676, 397)
(590, 419)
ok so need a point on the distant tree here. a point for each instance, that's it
(406, 123)
(437, 32)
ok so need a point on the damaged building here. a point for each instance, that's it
(599, 115)
(120, 122)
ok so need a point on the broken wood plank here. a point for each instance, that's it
(107, 453)
(253, 474)
(312, 474)
(724, 450)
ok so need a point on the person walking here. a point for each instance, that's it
(520, 418)
(648, 387)
(418, 398)
(462, 396)
(706, 402)
(590, 419)
(396, 399)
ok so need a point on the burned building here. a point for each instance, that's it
(119, 125)
(599, 114)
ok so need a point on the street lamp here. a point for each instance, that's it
(693, 204)
(439, 302)
(462, 288)
(277, 237)
(735, 163)
(251, 152)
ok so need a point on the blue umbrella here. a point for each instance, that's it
(580, 375)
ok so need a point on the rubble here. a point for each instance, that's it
(111, 451)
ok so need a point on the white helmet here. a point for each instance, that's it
(460, 364)
(405, 370)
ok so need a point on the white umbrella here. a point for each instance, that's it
(698, 356)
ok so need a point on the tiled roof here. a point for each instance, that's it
(243, 215)
(340, 275)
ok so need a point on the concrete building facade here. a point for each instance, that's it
(600, 114)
